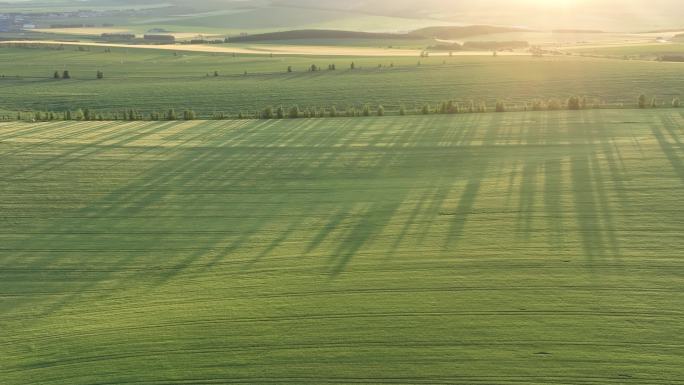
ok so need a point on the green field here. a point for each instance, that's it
(516, 248)
(148, 79)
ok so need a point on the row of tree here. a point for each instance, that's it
(643, 102)
(294, 112)
(66, 75)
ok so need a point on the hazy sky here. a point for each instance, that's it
(617, 15)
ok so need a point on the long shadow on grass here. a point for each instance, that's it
(480, 161)
(674, 152)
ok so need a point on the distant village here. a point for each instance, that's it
(20, 22)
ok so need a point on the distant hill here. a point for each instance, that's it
(461, 32)
(304, 34)
(577, 31)
(423, 33)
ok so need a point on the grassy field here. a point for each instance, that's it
(157, 80)
(532, 247)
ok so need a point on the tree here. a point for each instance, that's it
(171, 115)
(574, 103)
(289, 69)
(553, 104)
(78, 115)
(366, 110)
(280, 112)
(641, 101)
(402, 110)
(654, 102)
(352, 66)
(381, 110)
(676, 103)
(333, 111)
(86, 114)
(56, 75)
(67, 115)
(500, 106)
(294, 112)
(537, 105)
(482, 107)
(268, 113)
(314, 68)
(189, 115)
(426, 109)
(100, 74)
(216, 74)
(66, 75)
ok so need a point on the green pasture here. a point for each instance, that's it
(515, 248)
(148, 79)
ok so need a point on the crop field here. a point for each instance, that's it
(148, 79)
(638, 51)
(515, 248)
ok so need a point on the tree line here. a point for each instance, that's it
(366, 110)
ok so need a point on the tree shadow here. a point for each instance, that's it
(672, 148)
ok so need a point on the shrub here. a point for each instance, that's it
(402, 110)
(189, 115)
(482, 107)
(654, 103)
(280, 112)
(676, 103)
(381, 111)
(333, 111)
(66, 75)
(56, 75)
(641, 101)
(426, 109)
(500, 106)
(100, 74)
(171, 115)
(289, 68)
